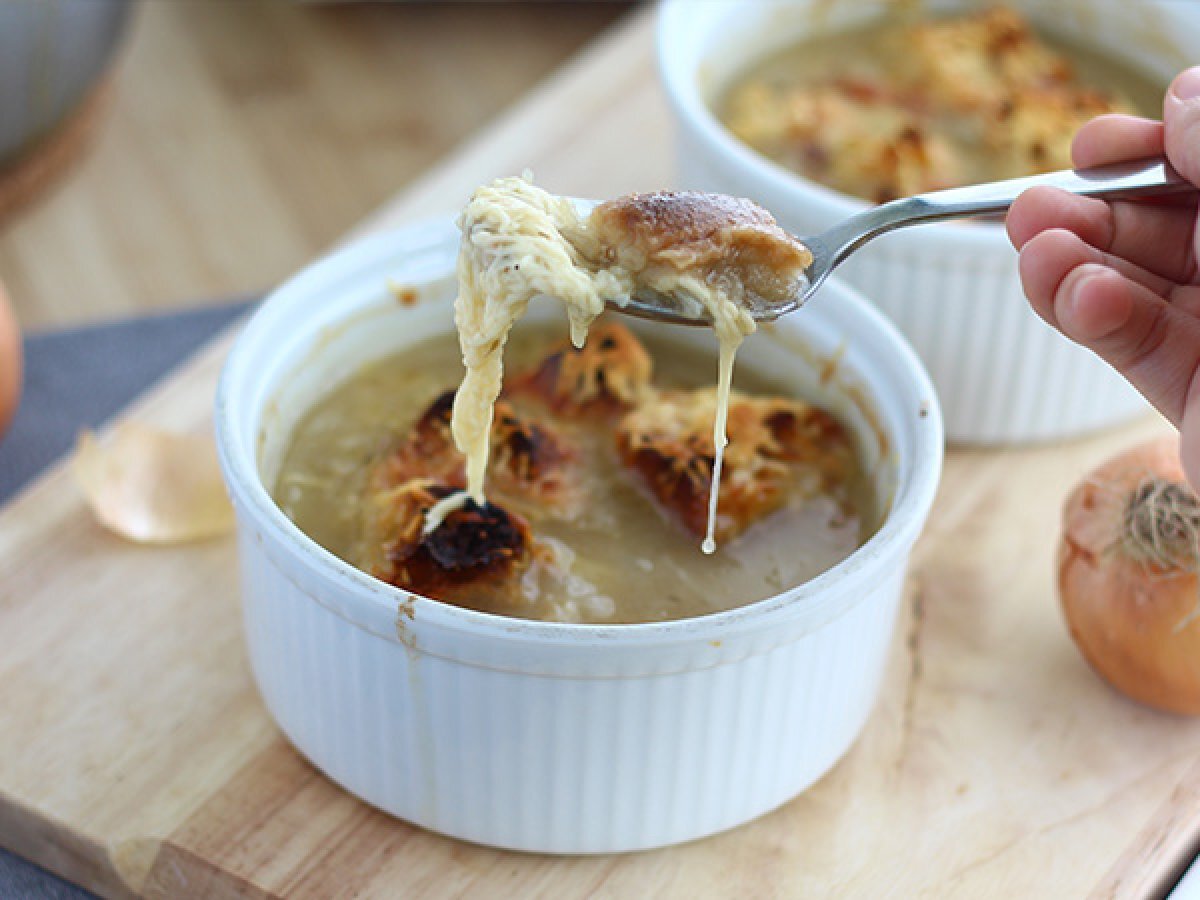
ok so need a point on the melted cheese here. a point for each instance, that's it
(437, 513)
(520, 242)
(732, 324)
(720, 438)
(513, 250)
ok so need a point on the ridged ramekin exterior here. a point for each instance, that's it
(541, 736)
(560, 764)
(1002, 374)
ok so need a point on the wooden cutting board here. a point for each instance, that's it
(136, 758)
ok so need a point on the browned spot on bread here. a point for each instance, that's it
(608, 376)
(532, 464)
(666, 218)
(426, 451)
(473, 556)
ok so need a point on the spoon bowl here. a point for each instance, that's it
(1130, 180)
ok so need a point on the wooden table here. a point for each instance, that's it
(244, 137)
(136, 757)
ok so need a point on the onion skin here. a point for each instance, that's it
(10, 362)
(1124, 613)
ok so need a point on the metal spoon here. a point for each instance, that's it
(1143, 178)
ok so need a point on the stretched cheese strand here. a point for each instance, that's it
(512, 250)
(728, 349)
(732, 324)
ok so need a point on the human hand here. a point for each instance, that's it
(1121, 277)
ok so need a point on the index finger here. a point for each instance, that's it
(1116, 138)
(1155, 238)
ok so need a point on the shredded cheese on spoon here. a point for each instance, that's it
(520, 242)
(513, 250)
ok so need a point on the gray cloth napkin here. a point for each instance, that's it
(76, 379)
(80, 378)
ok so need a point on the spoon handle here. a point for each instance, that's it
(1141, 178)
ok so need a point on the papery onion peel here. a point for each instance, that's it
(153, 486)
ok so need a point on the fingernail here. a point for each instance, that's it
(1073, 288)
(1186, 85)
(1077, 281)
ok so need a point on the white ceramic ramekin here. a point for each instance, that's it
(542, 736)
(1001, 373)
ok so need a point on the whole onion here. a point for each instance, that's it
(1127, 575)
(10, 362)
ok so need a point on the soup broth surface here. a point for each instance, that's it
(626, 560)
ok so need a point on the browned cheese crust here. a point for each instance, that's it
(608, 376)
(982, 85)
(706, 235)
(532, 465)
(774, 443)
(993, 65)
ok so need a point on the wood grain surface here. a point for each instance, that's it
(136, 758)
(244, 137)
(36, 170)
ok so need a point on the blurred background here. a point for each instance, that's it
(173, 152)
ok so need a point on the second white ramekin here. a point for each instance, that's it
(1002, 375)
(544, 736)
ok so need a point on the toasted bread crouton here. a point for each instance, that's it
(532, 465)
(475, 555)
(713, 237)
(776, 447)
(608, 376)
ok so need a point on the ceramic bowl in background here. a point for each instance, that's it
(545, 736)
(52, 52)
(1001, 373)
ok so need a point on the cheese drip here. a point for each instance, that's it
(513, 250)
(728, 349)
(732, 324)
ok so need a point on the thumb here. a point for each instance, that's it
(1181, 115)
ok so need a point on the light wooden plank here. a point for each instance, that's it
(996, 763)
(245, 137)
